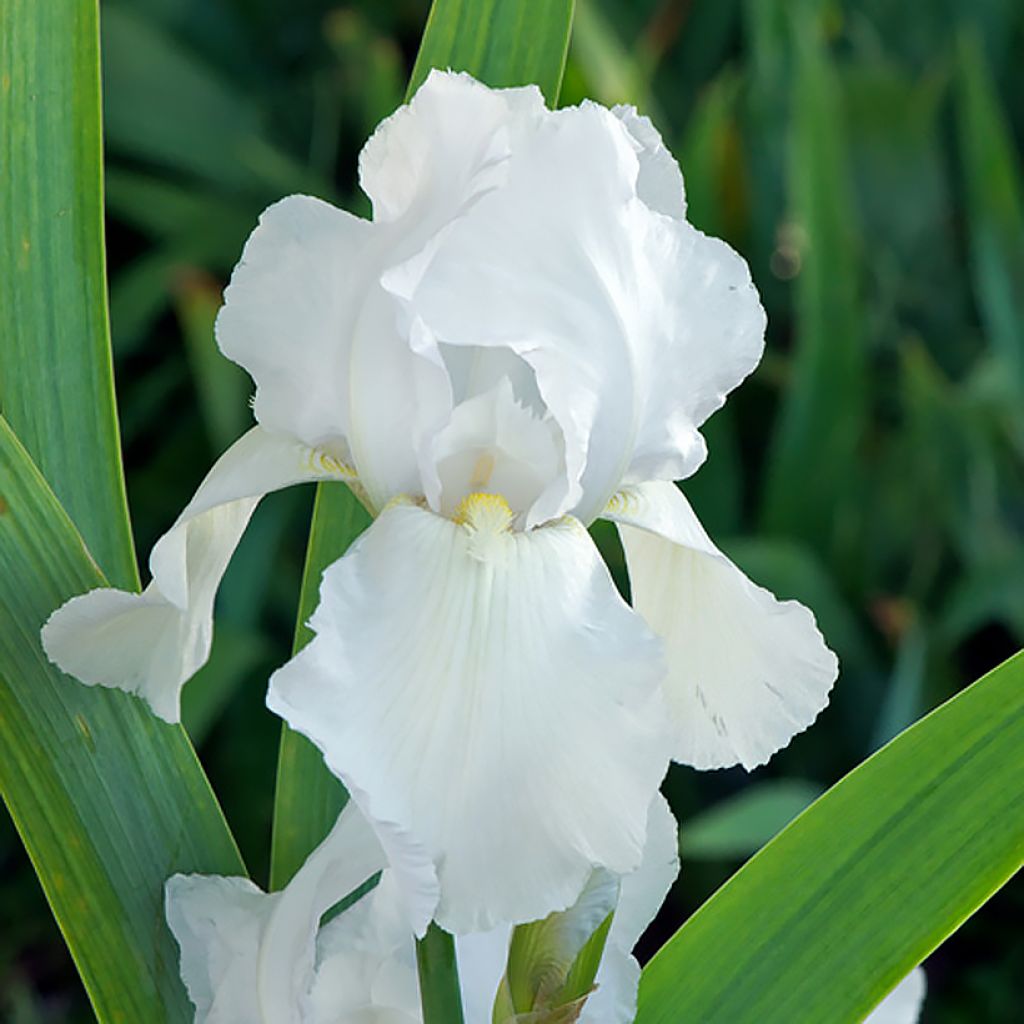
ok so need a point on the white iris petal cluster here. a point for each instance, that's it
(526, 336)
(249, 957)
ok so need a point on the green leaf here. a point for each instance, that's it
(500, 42)
(56, 382)
(108, 800)
(309, 798)
(995, 199)
(440, 995)
(740, 825)
(823, 405)
(864, 884)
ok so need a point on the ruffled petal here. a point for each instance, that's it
(903, 1004)
(249, 956)
(746, 672)
(491, 693)
(290, 313)
(151, 643)
(635, 323)
(659, 181)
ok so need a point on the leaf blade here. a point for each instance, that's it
(101, 843)
(867, 881)
(56, 385)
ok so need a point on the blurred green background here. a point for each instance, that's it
(864, 156)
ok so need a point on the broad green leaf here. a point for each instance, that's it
(995, 199)
(309, 798)
(108, 800)
(500, 42)
(56, 382)
(866, 882)
(740, 825)
(823, 404)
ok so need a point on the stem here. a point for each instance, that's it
(439, 978)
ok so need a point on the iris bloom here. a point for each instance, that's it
(526, 336)
(248, 957)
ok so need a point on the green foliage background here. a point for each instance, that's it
(864, 156)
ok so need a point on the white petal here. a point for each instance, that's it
(249, 956)
(290, 313)
(642, 893)
(903, 1004)
(660, 182)
(746, 671)
(482, 958)
(491, 693)
(636, 324)
(219, 923)
(151, 643)
(493, 443)
(439, 153)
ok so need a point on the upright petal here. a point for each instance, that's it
(903, 1004)
(746, 672)
(636, 324)
(151, 643)
(659, 182)
(491, 693)
(290, 313)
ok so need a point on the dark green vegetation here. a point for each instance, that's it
(863, 156)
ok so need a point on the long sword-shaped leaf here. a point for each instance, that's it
(108, 799)
(56, 382)
(866, 883)
(501, 42)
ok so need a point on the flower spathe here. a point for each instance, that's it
(249, 957)
(527, 335)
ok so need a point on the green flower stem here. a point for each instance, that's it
(439, 978)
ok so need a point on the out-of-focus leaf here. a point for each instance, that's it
(995, 196)
(165, 106)
(500, 42)
(904, 697)
(237, 653)
(812, 476)
(108, 800)
(866, 882)
(221, 386)
(611, 72)
(56, 383)
(740, 825)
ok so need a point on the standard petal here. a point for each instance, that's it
(290, 313)
(903, 1004)
(151, 643)
(659, 182)
(746, 672)
(491, 693)
(635, 323)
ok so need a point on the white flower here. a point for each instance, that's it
(903, 1004)
(526, 336)
(249, 957)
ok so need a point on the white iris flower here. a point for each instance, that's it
(248, 957)
(526, 336)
